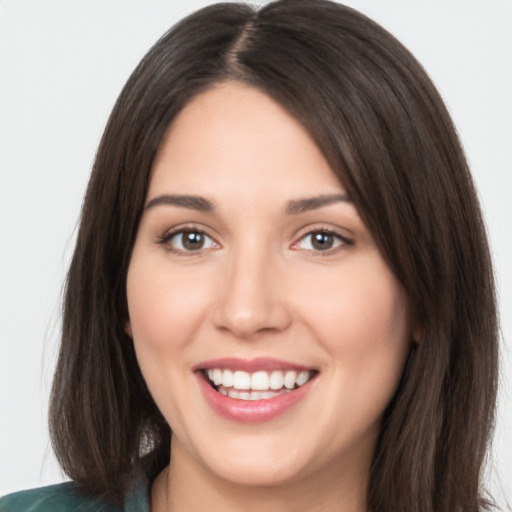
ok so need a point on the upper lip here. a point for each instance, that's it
(251, 365)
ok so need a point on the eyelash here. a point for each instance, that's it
(344, 241)
(167, 237)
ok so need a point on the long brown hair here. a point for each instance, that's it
(384, 129)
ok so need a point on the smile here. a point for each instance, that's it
(259, 385)
(253, 391)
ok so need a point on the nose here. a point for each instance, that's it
(252, 299)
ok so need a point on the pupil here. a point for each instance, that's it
(323, 241)
(193, 241)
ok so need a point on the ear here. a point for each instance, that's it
(417, 334)
(416, 328)
(128, 328)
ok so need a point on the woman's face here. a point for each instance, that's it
(252, 268)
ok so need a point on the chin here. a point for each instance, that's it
(264, 459)
(258, 473)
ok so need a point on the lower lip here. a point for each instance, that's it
(251, 411)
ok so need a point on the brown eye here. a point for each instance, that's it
(192, 241)
(321, 241)
(188, 240)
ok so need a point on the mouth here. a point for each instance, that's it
(257, 385)
(256, 390)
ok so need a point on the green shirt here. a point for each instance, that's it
(66, 497)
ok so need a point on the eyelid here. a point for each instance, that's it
(310, 230)
(167, 236)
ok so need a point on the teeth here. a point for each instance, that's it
(258, 384)
(259, 381)
(268, 394)
(227, 378)
(251, 395)
(302, 378)
(289, 379)
(242, 380)
(276, 380)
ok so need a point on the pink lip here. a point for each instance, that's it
(250, 411)
(250, 365)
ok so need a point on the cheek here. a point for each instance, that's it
(361, 318)
(165, 307)
(166, 310)
(361, 321)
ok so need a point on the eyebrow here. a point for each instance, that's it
(312, 203)
(185, 201)
(202, 204)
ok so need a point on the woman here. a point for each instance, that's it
(281, 259)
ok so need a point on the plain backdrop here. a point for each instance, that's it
(62, 65)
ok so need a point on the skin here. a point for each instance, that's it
(259, 288)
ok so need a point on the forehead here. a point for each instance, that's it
(235, 139)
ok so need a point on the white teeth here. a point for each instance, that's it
(251, 395)
(242, 380)
(217, 376)
(276, 380)
(227, 378)
(302, 378)
(289, 379)
(260, 381)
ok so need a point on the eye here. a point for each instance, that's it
(321, 241)
(188, 240)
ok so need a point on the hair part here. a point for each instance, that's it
(387, 135)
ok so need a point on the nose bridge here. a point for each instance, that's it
(251, 299)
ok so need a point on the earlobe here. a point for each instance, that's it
(128, 328)
(417, 335)
(416, 329)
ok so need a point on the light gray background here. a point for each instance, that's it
(62, 65)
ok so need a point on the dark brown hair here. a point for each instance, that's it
(384, 129)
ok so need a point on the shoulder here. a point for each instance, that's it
(54, 498)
